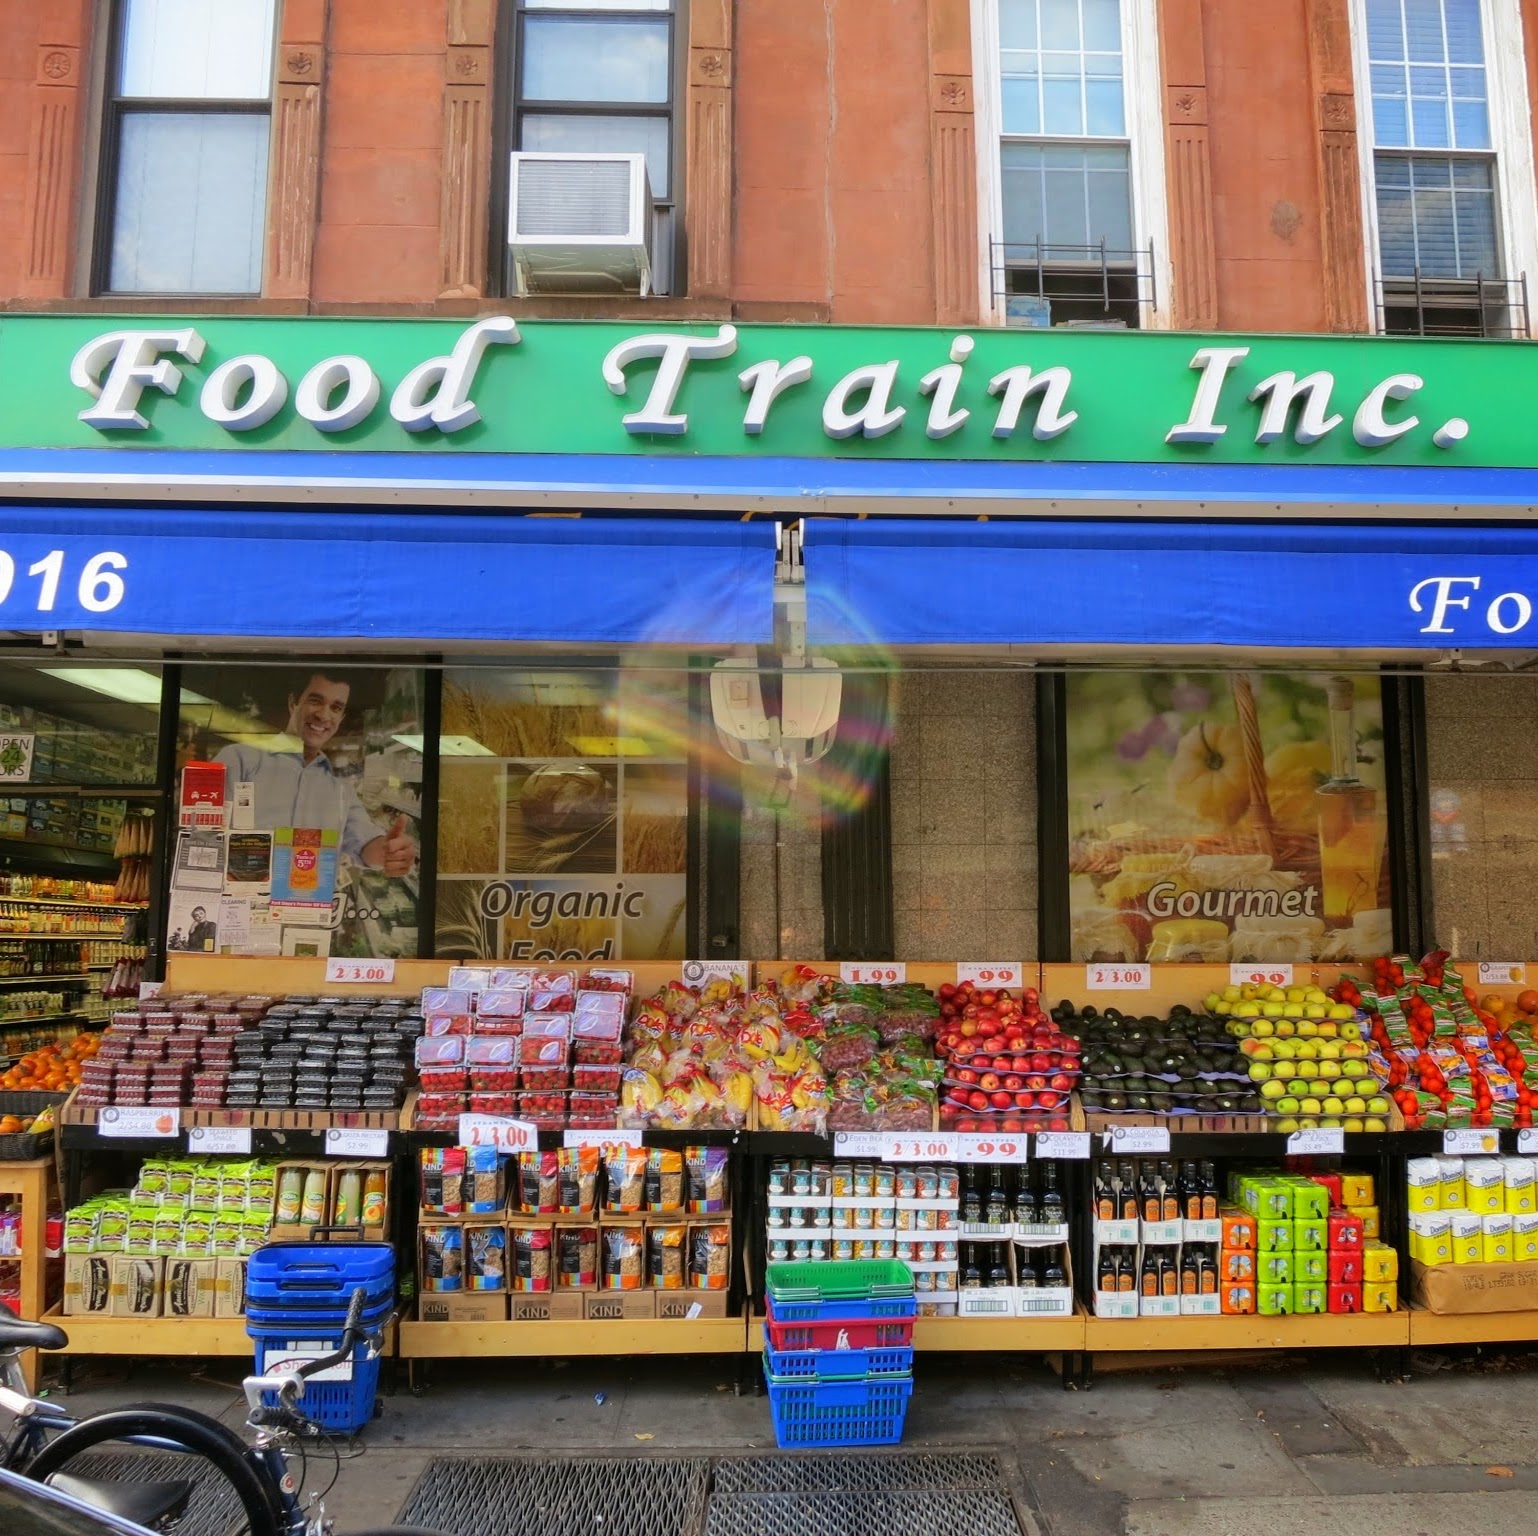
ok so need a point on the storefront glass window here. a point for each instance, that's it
(1226, 817)
(87, 725)
(322, 769)
(563, 815)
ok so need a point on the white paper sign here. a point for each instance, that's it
(1137, 1138)
(138, 1120)
(1320, 1141)
(234, 922)
(857, 1143)
(877, 972)
(1502, 973)
(368, 972)
(1099, 977)
(15, 757)
(1269, 974)
(341, 1142)
(1065, 1144)
(992, 973)
(1527, 1140)
(1470, 1143)
(985, 1147)
(919, 1147)
(700, 973)
(627, 1138)
(219, 1139)
(497, 1131)
(150, 989)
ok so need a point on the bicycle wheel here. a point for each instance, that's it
(186, 1431)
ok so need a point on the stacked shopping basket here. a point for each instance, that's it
(297, 1298)
(839, 1360)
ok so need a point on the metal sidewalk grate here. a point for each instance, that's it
(213, 1509)
(918, 1493)
(594, 1496)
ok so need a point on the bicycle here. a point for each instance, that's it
(44, 1439)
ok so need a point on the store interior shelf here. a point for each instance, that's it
(644, 1336)
(1324, 1330)
(22, 1020)
(120, 937)
(1433, 1328)
(38, 981)
(62, 901)
(95, 1335)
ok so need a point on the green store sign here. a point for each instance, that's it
(554, 387)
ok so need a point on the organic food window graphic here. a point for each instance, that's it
(1216, 817)
(563, 815)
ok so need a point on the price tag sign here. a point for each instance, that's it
(1073, 1145)
(983, 1147)
(1527, 1140)
(150, 989)
(925, 1147)
(616, 1138)
(992, 973)
(1318, 1142)
(700, 973)
(1118, 978)
(1502, 973)
(858, 1143)
(1137, 1138)
(135, 1120)
(1470, 1143)
(220, 1140)
(1258, 975)
(881, 973)
(362, 972)
(341, 1142)
(498, 1131)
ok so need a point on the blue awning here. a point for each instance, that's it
(923, 581)
(384, 575)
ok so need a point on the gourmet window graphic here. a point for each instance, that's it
(1226, 817)
(563, 816)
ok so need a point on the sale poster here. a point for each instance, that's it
(1226, 817)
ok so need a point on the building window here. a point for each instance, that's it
(1066, 251)
(184, 182)
(1441, 268)
(595, 77)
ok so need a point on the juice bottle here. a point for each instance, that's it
(374, 1198)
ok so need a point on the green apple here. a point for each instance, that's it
(1262, 1051)
(1342, 1011)
(1232, 994)
(1273, 1088)
(1273, 1010)
(1355, 1069)
(1309, 1123)
(1307, 1028)
(1308, 1050)
(1222, 1007)
(1351, 1031)
(1374, 1123)
(1284, 1069)
(1287, 1126)
(1246, 1010)
(1297, 995)
(1329, 1050)
(1311, 1106)
(1285, 1027)
(1259, 1071)
(1287, 1105)
(1353, 1124)
(1356, 1105)
(1262, 1027)
(1377, 1105)
(1285, 1050)
(1308, 1068)
(1315, 1011)
(1332, 1106)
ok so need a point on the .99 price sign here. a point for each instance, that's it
(991, 973)
(984, 1147)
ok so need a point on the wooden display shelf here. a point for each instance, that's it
(1433, 1328)
(644, 1336)
(1324, 1330)
(149, 1336)
(30, 1181)
(1022, 1335)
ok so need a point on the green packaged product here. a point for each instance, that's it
(139, 1240)
(197, 1233)
(112, 1225)
(168, 1231)
(154, 1179)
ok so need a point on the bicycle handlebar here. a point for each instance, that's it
(289, 1382)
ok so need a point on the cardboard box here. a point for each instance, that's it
(465, 1307)
(682, 1304)
(87, 1284)
(190, 1287)
(619, 1306)
(134, 1286)
(229, 1287)
(561, 1307)
(1452, 1289)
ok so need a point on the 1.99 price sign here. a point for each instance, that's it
(878, 973)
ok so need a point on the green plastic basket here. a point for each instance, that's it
(853, 1279)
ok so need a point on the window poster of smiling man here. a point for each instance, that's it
(324, 758)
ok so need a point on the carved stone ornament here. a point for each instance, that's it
(466, 63)
(300, 65)
(952, 93)
(1187, 104)
(57, 64)
(1337, 111)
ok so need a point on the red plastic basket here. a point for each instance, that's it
(840, 1333)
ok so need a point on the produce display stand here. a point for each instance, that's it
(30, 1182)
(1073, 1341)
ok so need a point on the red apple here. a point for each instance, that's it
(1013, 1081)
(988, 1081)
(1001, 1100)
(977, 1100)
(1025, 1101)
(1061, 1081)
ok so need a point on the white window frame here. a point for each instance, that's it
(1511, 144)
(1143, 85)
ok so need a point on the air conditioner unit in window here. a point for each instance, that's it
(580, 223)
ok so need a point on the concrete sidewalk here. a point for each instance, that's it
(1292, 1448)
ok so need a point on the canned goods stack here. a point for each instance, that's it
(839, 1362)
(843, 1212)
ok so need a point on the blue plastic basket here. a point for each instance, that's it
(837, 1364)
(841, 1311)
(343, 1406)
(269, 1322)
(319, 1275)
(839, 1413)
